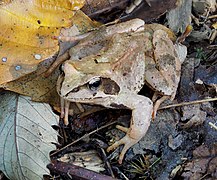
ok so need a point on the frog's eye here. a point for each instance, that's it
(94, 83)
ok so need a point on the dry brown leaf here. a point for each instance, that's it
(203, 165)
(89, 160)
(36, 86)
(180, 17)
(25, 39)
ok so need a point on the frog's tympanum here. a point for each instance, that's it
(111, 65)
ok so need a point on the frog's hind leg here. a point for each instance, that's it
(157, 104)
(139, 123)
(155, 96)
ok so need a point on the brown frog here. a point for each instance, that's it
(111, 65)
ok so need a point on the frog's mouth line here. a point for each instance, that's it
(82, 100)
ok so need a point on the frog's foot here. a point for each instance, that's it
(64, 110)
(157, 105)
(126, 140)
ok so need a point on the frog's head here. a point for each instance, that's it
(85, 84)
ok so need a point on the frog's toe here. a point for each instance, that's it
(122, 128)
(66, 120)
(153, 116)
(157, 105)
(127, 141)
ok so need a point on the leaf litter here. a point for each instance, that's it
(177, 133)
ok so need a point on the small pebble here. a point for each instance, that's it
(199, 81)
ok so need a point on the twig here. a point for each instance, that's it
(213, 125)
(107, 162)
(213, 16)
(84, 136)
(76, 172)
(212, 47)
(188, 103)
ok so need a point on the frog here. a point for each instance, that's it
(111, 65)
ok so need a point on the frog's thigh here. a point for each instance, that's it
(153, 76)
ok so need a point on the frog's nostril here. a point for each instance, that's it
(75, 89)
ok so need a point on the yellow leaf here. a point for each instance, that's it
(214, 25)
(46, 91)
(27, 27)
(52, 13)
(18, 60)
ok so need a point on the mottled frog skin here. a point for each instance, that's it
(111, 65)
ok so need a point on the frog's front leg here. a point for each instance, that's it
(142, 108)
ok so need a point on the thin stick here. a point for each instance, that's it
(213, 125)
(84, 136)
(213, 16)
(188, 103)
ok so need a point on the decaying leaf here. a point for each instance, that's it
(180, 17)
(107, 10)
(27, 28)
(18, 60)
(151, 9)
(46, 87)
(203, 165)
(93, 8)
(201, 7)
(26, 137)
(27, 22)
(89, 160)
(193, 114)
